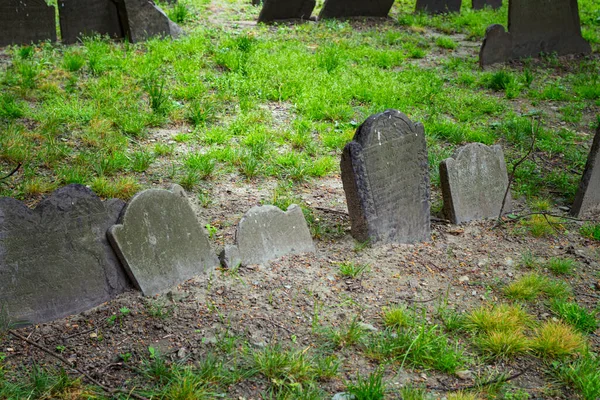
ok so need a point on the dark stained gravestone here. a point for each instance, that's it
(79, 18)
(480, 4)
(356, 8)
(26, 22)
(386, 179)
(142, 20)
(534, 27)
(55, 260)
(587, 199)
(276, 10)
(474, 182)
(438, 6)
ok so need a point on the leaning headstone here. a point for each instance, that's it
(535, 27)
(55, 260)
(142, 20)
(160, 241)
(480, 4)
(438, 6)
(356, 8)
(79, 18)
(587, 199)
(474, 182)
(386, 179)
(266, 233)
(26, 22)
(276, 10)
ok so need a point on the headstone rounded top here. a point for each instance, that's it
(385, 126)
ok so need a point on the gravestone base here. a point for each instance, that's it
(356, 8)
(481, 4)
(278, 10)
(438, 6)
(587, 199)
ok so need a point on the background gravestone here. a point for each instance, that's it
(474, 182)
(274, 10)
(438, 6)
(386, 179)
(160, 241)
(142, 20)
(480, 4)
(534, 27)
(587, 199)
(26, 22)
(356, 8)
(79, 18)
(55, 260)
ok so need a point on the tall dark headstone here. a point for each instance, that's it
(356, 8)
(534, 27)
(79, 18)
(26, 22)
(142, 20)
(276, 10)
(438, 6)
(480, 4)
(55, 260)
(386, 179)
(587, 199)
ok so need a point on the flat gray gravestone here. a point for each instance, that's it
(79, 18)
(142, 20)
(26, 22)
(386, 179)
(587, 199)
(266, 233)
(534, 27)
(276, 10)
(356, 8)
(474, 182)
(160, 241)
(438, 6)
(480, 4)
(55, 260)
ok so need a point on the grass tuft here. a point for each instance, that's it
(575, 315)
(557, 340)
(533, 285)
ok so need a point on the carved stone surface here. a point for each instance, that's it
(479, 4)
(160, 241)
(587, 199)
(26, 22)
(55, 260)
(474, 181)
(80, 18)
(275, 10)
(142, 20)
(356, 8)
(534, 27)
(438, 6)
(386, 179)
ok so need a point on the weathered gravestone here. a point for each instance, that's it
(356, 8)
(160, 241)
(474, 182)
(55, 260)
(386, 179)
(480, 4)
(26, 22)
(79, 18)
(587, 199)
(534, 27)
(142, 20)
(266, 233)
(438, 6)
(274, 10)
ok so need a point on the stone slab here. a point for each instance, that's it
(276, 10)
(438, 6)
(535, 27)
(385, 174)
(55, 260)
(587, 199)
(26, 22)
(79, 18)
(160, 241)
(356, 8)
(480, 4)
(474, 182)
(142, 20)
(267, 233)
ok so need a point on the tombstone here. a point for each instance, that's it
(480, 4)
(535, 27)
(474, 182)
(26, 22)
(356, 8)
(587, 199)
(79, 18)
(160, 241)
(142, 20)
(385, 175)
(438, 6)
(55, 260)
(275, 10)
(267, 233)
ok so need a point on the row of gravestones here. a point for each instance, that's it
(30, 21)
(74, 252)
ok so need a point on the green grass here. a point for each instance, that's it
(561, 266)
(532, 286)
(350, 269)
(582, 374)
(369, 388)
(572, 313)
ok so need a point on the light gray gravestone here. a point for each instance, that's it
(535, 27)
(480, 4)
(438, 6)
(385, 175)
(267, 233)
(26, 22)
(79, 18)
(356, 8)
(276, 10)
(160, 241)
(142, 20)
(55, 260)
(474, 182)
(587, 199)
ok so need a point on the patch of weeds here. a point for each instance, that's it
(156, 368)
(542, 225)
(590, 230)
(123, 312)
(498, 81)
(201, 111)
(533, 285)
(446, 42)
(529, 260)
(159, 309)
(396, 317)
(141, 160)
(410, 392)
(349, 269)
(503, 317)
(157, 95)
(179, 13)
(73, 61)
(163, 150)
(284, 368)
(561, 266)
(202, 164)
(370, 388)
(461, 395)
(583, 375)
(503, 344)
(10, 108)
(329, 58)
(189, 180)
(347, 335)
(575, 315)
(557, 340)
(185, 384)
